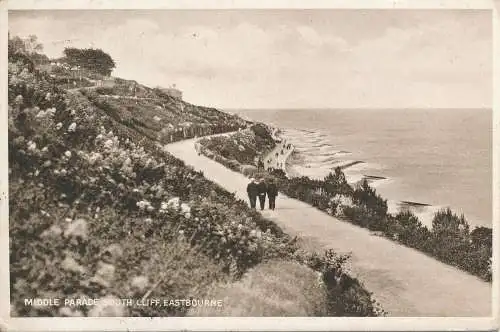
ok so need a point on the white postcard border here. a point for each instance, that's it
(237, 323)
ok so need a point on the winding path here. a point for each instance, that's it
(406, 282)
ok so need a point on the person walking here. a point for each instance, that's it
(272, 192)
(260, 165)
(252, 191)
(262, 191)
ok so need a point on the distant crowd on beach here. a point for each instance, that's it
(279, 165)
(261, 188)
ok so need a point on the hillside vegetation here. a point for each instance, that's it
(99, 210)
(242, 150)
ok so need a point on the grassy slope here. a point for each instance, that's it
(98, 209)
(275, 288)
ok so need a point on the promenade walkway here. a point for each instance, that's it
(279, 161)
(406, 282)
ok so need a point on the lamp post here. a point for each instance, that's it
(79, 72)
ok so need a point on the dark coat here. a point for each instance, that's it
(252, 189)
(262, 188)
(272, 190)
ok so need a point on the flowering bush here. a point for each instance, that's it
(244, 147)
(98, 209)
(160, 118)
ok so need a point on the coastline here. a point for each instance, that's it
(419, 167)
(353, 170)
(281, 145)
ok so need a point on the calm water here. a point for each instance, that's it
(437, 157)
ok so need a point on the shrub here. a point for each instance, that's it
(482, 237)
(313, 285)
(336, 184)
(409, 230)
(105, 91)
(367, 197)
(262, 131)
(275, 288)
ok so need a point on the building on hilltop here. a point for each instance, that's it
(172, 91)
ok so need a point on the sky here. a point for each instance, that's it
(328, 58)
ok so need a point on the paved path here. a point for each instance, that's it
(94, 87)
(405, 281)
(112, 96)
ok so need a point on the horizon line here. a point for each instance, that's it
(353, 108)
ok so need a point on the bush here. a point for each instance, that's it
(288, 288)
(279, 174)
(367, 197)
(276, 288)
(409, 230)
(242, 147)
(105, 91)
(346, 296)
(262, 131)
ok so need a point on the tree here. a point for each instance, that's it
(260, 130)
(367, 197)
(27, 50)
(32, 45)
(15, 45)
(451, 236)
(336, 183)
(410, 230)
(27, 46)
(92, 59)
(448, 224)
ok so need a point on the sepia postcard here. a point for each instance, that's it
(230, 165)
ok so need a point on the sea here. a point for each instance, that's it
(419, 159)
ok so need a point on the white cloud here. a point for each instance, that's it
(445, 63)
(310, 36)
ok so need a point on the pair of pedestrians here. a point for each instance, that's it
(259, 188)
